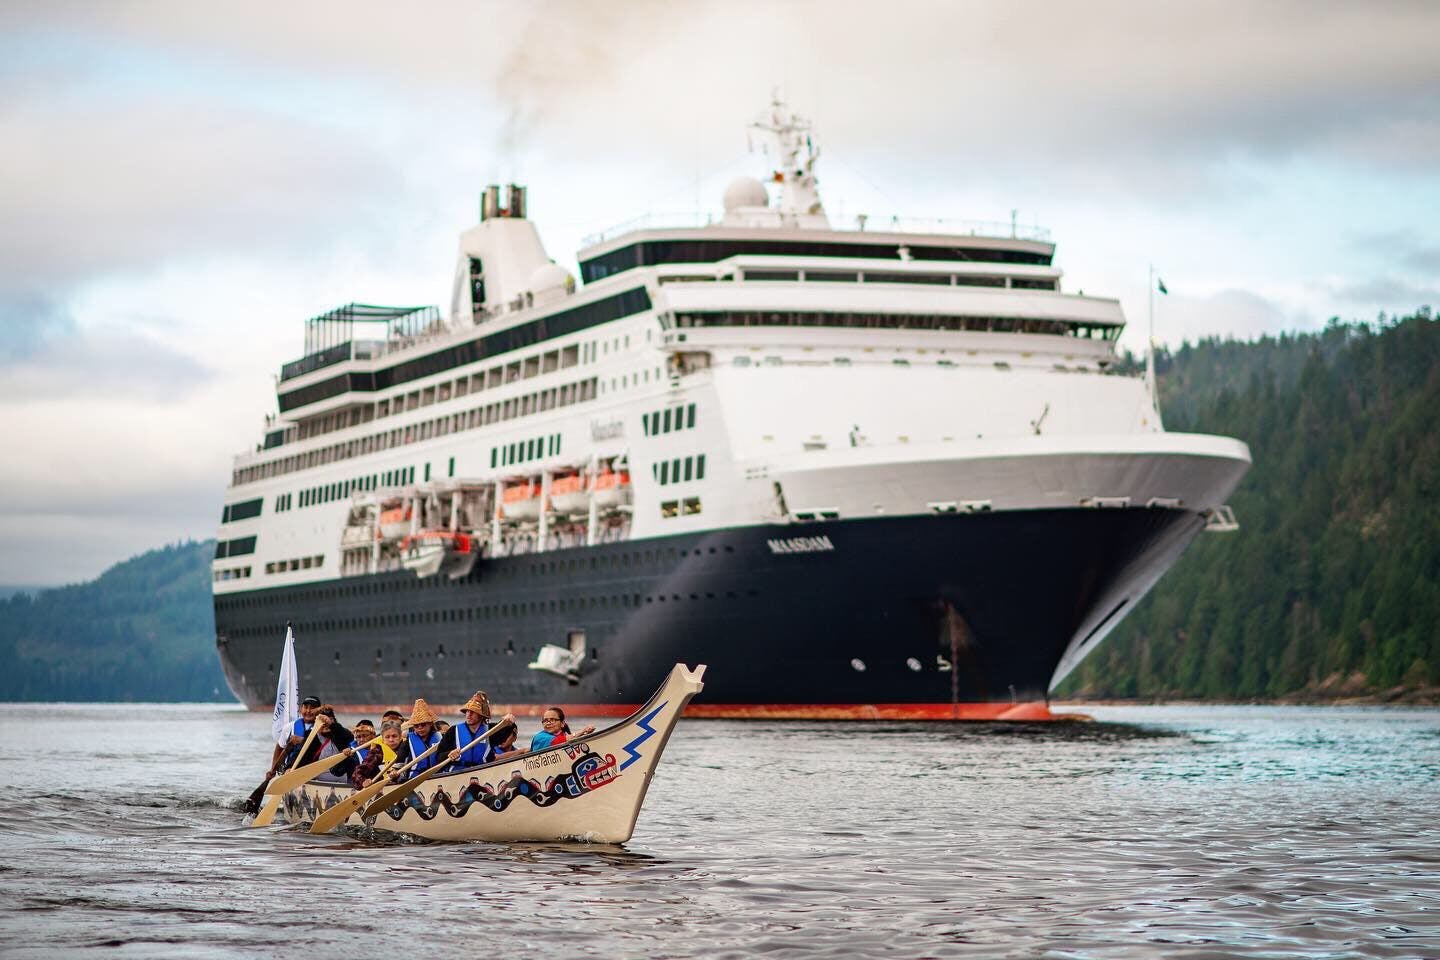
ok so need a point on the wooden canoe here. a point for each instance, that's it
(590, 788)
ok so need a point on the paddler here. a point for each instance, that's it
(333, 741)
(422, 737)
(381, 754)
(284, 755)
(298, 732)
(368, 752)
(465, 743)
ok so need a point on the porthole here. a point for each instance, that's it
(857, 665)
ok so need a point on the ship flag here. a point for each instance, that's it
(287, 692)
(1161, 283)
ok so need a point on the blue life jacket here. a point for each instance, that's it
(417, 747)
(480, 752)
(300, 729)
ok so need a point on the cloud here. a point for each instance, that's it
(1387, 293)
(1406, 249)
(1107, 92)
(1232, 313)
(94, 187)
(116, 365)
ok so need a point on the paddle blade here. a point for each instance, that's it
(267, 812)
(341, 811)
(294, 777)
(394, 796)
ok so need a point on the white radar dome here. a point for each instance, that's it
(550, 280)
(745, 192)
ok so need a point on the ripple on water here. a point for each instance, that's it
(1179, 832)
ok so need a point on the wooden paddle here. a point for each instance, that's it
(408, 787)
(341, 811)
(272, 800)
(297, 775)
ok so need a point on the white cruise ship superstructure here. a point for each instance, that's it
(880, 471)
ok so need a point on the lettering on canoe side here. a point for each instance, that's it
(800, 545)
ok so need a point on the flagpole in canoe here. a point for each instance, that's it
(589, 787)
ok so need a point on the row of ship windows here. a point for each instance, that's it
(664, 421)
(578, 392)
(548, 567)
(497, 611)
(242, 511)
(893, 321)
(496, 376)
(679, 508)
(872, 276)
(295, 563)
(236, 573)
(523, 450)
(239, 547)
(507, 343)
(341, 489)
(679, 470)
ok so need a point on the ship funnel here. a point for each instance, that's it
(510, 205)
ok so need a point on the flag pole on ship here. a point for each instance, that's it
(1152, 285)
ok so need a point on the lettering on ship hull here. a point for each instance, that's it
(800, 545)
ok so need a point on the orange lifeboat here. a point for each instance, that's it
(520, 501)
(611, 488)
(394, 523)
(568, 494)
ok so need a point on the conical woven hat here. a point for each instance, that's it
(479, 703)
(422, 713)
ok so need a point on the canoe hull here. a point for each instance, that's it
(589, 789)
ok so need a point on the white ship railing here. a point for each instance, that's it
(859, 223)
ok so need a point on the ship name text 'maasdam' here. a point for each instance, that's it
(760, 440)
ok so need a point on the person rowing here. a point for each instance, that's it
(334, 741)
(421, 738)
(299, 730)
(465, 743)
(284, 757)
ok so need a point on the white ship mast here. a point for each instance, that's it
(785, 140)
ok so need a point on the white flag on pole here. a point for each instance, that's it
(287, 692)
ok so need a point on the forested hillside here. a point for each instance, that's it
(143, 631)
(1332, 584)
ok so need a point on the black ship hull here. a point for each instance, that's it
(955, 616)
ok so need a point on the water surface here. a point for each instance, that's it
(1158, 832)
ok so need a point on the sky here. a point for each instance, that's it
(183, 184)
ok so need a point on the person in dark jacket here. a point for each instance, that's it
(465, 744)
(334, 740)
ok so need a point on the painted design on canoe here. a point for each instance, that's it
(590, 772)
(644, 724)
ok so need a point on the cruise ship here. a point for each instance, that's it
(887, 470)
